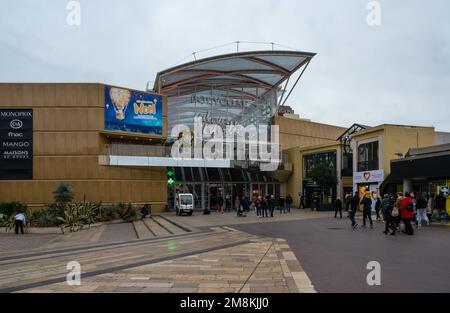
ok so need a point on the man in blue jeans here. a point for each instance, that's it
(353, 207)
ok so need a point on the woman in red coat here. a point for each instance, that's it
(407, 213)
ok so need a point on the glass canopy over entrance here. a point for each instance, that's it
(239, 88)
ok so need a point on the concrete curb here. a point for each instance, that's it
(57, 230)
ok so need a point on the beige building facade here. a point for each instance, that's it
(67, 139)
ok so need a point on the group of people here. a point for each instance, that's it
(263, 205)
(268, 204)
(395, 210)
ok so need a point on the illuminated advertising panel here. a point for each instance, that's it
(133, 111)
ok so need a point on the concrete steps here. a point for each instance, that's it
(174, 229)
(157, 229)
(142, 231)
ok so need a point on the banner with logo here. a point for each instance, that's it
(368, 177)
(133, 111)
(16, 144)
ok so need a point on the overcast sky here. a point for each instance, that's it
(398, 72)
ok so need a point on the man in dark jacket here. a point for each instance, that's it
(282, 205)
(386, 208)
(367, 209)
(288, 203)
(316, 202)
(439, 204)
(338, 207)
(271, 202)
(378, 208)
(245, 204)
(353, 207)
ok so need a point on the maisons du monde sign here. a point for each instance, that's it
(16, 144)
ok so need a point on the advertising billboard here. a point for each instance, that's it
(16, 144)
(133, 111)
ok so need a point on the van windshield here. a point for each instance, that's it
(186, 200)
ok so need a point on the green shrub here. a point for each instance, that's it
(109, 212)
(8, 208)
(128, 212)
(63, 194)
(77, 214)
(48, 216)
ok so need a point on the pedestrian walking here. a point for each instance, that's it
(387, 209)
(338, 207)
(271, 204)
(316, 202)
(353, 207)
(367, 209)
(378, 208)
(265, 205)
(220, 203)
(282, 205)
(19, 222)
(245, 204)
(289, 203)
(407, 213)
(430, 207)
(302, 201)
(347, 202)
(398, 207)
(259, 204)
(421, 208)
(237, 206)
(228, 203)
(237, 203)
(439, 204)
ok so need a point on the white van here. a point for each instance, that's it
(184, 203)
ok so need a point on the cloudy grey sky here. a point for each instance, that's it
(398, 72)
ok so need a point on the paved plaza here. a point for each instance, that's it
(302, 251)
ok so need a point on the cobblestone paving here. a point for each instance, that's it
(12, 243)
(113, 259)
(223, 260)
(217, 219)
(258, 266)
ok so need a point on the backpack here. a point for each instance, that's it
(394, 212)
(409, 207)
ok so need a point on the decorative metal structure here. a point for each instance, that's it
(238, 88)
(347, 136)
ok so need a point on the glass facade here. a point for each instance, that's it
(368, 156)
(216, 182)
(309, 161)
(326, 194)
(237, 89)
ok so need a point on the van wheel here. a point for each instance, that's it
(190, 213)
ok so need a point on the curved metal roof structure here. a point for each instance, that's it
(240, 87)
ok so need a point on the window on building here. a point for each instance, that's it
(368, 156)
(347, 164)
(309, 161)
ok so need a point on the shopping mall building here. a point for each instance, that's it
(115, 144)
